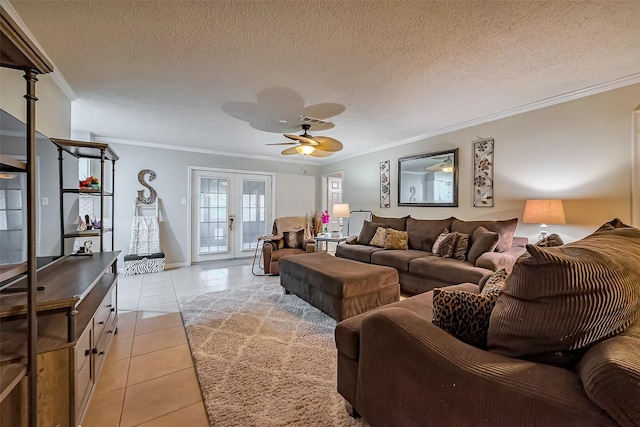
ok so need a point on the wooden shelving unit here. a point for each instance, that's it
(91, 150)
(21, 332)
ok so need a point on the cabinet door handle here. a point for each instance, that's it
(101, 323)
(113, 309)
(109, 305)
(101, 353)
(109, 332)
(87, 352)
(94, 350)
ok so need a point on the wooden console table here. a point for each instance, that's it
(76, 317)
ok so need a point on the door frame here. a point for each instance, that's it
(191, 169)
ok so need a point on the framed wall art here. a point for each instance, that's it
(483, 172)
(385, 184)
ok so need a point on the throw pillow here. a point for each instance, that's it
(396, 239)
(495, 283)
(439, 240)
(462, 244)
(447, 246)
(424, 232)
(293, 239)
(482, 241)
(560, 301)
(463, 314)
(368, 231)
(379, 238)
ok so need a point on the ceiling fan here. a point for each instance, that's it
(444, 166)
(307, 145)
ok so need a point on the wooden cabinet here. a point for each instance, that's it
(77, 318)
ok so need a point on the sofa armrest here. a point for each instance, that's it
(494, 261)
(411, 370)
(309, 245)
(351, 240)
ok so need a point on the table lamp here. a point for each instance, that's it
(341, 210)
(543, 212)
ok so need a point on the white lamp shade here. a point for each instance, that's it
(544, 212)
(305, 149)
(341, 210)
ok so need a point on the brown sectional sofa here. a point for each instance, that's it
(419, 270)
(396, 368)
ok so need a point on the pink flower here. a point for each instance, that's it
(325, 217)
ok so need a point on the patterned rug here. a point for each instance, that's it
(264, 359)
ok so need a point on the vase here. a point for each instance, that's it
(325, 229)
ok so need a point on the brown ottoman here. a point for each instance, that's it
(339, 287)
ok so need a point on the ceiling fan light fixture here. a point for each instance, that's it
(305, 149)
(447, 168)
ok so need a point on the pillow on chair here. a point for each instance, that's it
(293, 239)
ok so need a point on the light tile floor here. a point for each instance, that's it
(148, 378)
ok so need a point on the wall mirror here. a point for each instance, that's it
(429, 179)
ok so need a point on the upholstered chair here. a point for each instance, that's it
(293, 235)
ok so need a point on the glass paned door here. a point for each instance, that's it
(229, 212)
(255, 209)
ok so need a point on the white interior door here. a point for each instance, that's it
(334, 196)
(228, 213)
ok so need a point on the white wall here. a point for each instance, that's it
(578, 151)
(295, 190)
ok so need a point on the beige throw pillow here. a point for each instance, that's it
(439, 240)
(447, 246)
(379, 238)
(396, 239)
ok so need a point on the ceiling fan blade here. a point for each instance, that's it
(282, 143)
(301, 139)
(289, 151)
(321, 153)
(328, 144)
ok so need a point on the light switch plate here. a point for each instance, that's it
(183, 201)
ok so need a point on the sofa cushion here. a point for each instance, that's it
(447, 269)
(423, 232)
(398, 259)
(483, 241)
(505, 228)
(395, 223)
(559, 301)
(368, 231)
(360, 253)
(396, 239)
(379, 238)
(465, 315)
(276, 255)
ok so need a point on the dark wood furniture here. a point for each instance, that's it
(90, 150)
(18, 397)
(77, 318)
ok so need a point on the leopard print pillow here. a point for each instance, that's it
(495, 283)
(465, 315)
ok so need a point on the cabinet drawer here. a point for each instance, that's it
(84, 379)
(101, 347)
(101, 317)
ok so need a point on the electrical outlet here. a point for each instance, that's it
(183, 201)
(45, 201)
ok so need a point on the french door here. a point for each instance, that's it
(228, 213)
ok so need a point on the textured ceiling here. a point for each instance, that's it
(221, 75)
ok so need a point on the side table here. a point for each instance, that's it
(327, 240)
(258, 252)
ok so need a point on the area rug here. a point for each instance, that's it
(264, 359)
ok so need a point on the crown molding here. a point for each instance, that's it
(559, 99)
(198, 150)
(56, 75)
